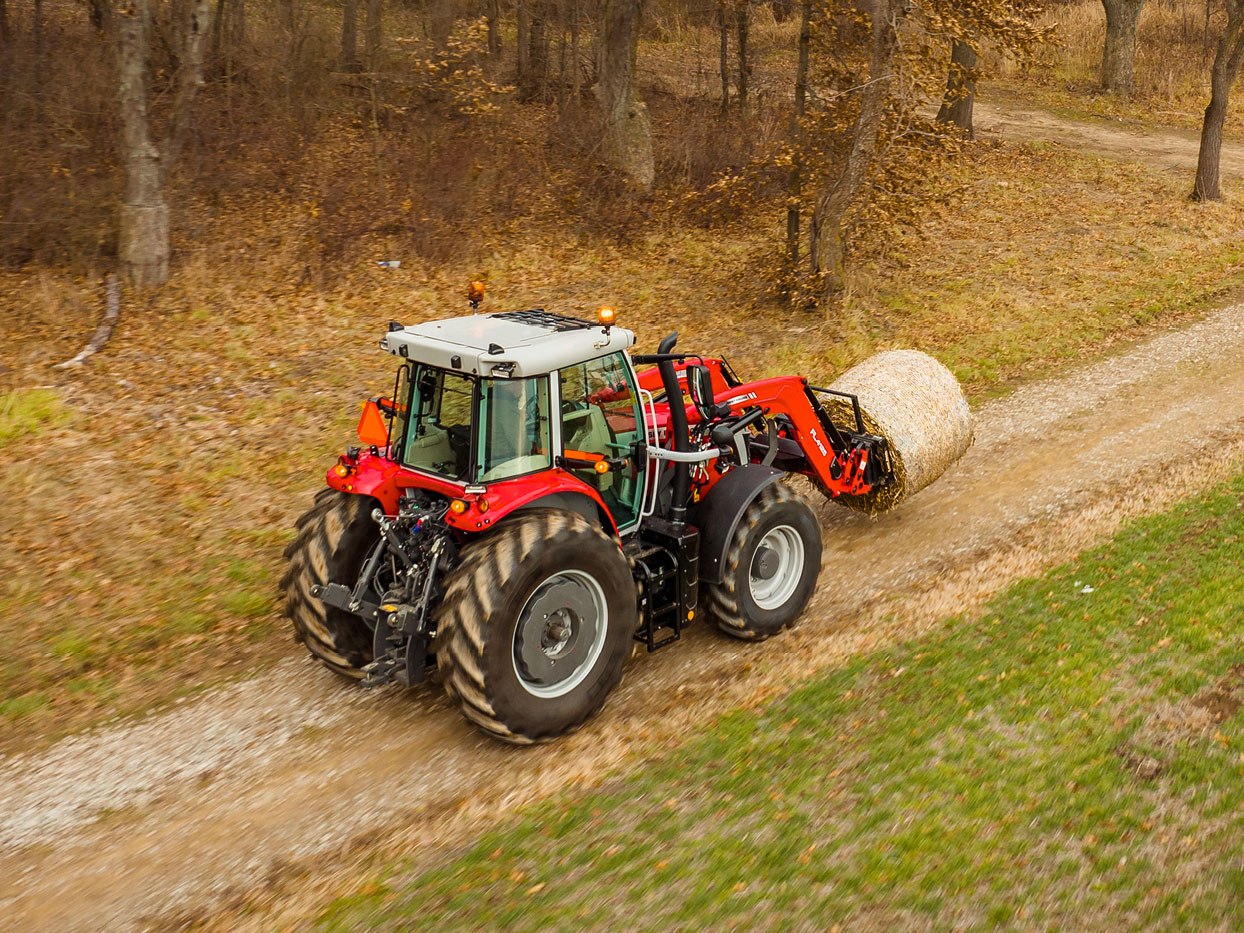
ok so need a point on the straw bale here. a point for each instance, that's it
(916, 404)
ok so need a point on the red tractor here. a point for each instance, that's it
(532, 499)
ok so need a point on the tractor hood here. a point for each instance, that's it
(512, 343)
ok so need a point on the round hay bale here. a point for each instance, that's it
(917, 405)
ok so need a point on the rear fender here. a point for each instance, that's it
(717, 515)
(372, 476)
(555, 489)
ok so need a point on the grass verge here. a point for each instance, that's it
(1071, 757)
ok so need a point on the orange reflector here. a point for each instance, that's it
(602, 467)
(457, 506)
(606, 315)
(372, 430)
(690, 614)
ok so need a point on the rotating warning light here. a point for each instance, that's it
(475, 292)
(606, 315)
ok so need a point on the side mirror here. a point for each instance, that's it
(700, 388)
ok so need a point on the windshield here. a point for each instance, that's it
(509, 437)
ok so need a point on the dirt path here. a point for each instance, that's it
(1169, 149)
(187, 810)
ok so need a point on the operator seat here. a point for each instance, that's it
(587, 430)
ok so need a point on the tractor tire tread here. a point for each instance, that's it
(723, 599)
(320, 539)
(471, 594)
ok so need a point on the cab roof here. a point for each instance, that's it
(507, 344)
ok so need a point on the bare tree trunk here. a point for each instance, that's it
(144, 215)
(576, 75)
(144, 244)
(534, 82)
(960, 88)
(723, 30)
(1227, 60)
(237, 23)
(101, 14)
(349, 58)
(441, 22)
(523, 26)
(627, 138)
(494, 26)
(742, 13)
(4, 20)
(828, 228)
(1118, 65)
(39, 50)
(372, 33)
(198, 24)
(794, 186)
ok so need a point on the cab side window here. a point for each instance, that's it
(600, 418)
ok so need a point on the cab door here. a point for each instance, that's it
(601, 417)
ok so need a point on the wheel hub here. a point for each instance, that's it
(777, 563)
(556, 632)
(765, 563)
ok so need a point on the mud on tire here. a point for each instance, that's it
(333, 539)
(546, 587)
(770, 569)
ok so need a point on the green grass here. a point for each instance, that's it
(1045, 764)
(26, 413)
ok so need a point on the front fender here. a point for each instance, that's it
(717, 514)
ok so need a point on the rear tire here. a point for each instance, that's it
(334, 538)
(546, 588)
(770, 569)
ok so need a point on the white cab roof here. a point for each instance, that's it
(512, 343)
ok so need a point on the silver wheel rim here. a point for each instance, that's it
(560, 634)
(777, 565)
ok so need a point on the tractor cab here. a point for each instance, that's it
(536, 401)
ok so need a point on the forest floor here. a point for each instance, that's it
(287, 779)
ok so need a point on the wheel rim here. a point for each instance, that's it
(777, 564)
(560, 634)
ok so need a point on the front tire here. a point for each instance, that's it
(535, 626)
(770, 569)
(334, 537)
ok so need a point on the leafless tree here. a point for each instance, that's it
(1118, 65)
(373, 32)
(441, 21)
(1228, 58)
(847, 182)
(627, 136)
(349, 56)
(144, 243)
(960, 88)
(794, 187)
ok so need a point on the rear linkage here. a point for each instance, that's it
(414, 552)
